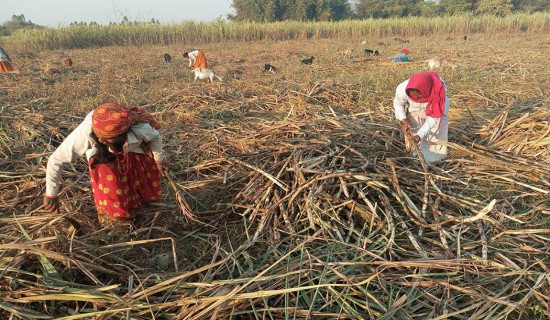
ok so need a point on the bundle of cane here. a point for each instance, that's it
(180, 200)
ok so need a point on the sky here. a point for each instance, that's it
(53, 13)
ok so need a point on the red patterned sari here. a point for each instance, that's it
(123, 185)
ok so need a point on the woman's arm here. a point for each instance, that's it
(400, 101)
(145, 132)
(74, 146)
(426, 127)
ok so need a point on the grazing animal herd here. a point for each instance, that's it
(197, 61)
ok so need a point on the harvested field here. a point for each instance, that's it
(308, 207)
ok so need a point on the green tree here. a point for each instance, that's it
(452, 7)
(531, 5)
(288, 9)
(307, 10)
(495, 7)
(16, 22)
(388, 8)
(340, 9)
(248, 10)
(278, 10)
(430, 9)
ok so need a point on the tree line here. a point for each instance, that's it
(334, 10)
(20, 22)
(16, 22)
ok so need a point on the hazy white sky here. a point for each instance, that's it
(52, 13)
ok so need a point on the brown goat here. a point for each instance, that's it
(68, 62)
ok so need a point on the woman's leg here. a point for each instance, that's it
(122, 186)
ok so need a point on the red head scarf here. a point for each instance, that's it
(432, 90)
(111, 119)
(405, 51)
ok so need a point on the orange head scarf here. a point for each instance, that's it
(432, 90)
(111, 119)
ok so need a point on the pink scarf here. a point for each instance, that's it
(432, 90)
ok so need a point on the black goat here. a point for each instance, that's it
(369, 52)
(268, 67)
(308, 61)
(167, 57)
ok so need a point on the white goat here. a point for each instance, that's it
(436, 63)
(203, 73)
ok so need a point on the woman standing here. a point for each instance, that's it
(426, 121)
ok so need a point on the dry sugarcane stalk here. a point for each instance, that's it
(427, 177)
(180, 200)
(442, 237)
(354, 193)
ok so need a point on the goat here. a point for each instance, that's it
(436, 63)
(308, 61)
(268, 67)
(203, 73)
(167, 57)
(433, 63)
(401, 40)
(68, 63)
(369, 52)
(465, 38)
(347, 52)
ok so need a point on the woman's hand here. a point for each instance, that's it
(163, 167)
(51, 204)
(405, 126)
(414, 139)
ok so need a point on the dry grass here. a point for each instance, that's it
(313, 210)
